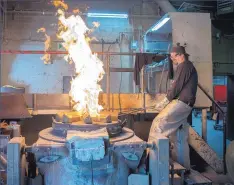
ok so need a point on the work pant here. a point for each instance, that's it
(172, 123)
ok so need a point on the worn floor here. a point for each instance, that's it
(31, 128)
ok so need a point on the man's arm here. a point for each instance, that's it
(182, 76)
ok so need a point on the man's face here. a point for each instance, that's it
(174, 58)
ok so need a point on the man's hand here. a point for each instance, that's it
(161, 105)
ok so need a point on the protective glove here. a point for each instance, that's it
(161, 105)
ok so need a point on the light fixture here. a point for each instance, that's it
(160, 23)
(108, 15)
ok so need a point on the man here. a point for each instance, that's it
(176, 107)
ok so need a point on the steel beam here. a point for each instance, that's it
(54, 103)
(108, 81)
(204, 124)
(143, 87)
(0, 61)
(50, 13)
(131, 70)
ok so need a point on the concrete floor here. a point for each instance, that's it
(31, 128)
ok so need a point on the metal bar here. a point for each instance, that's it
(143, 88)
(224, 143)
(2, 28)
(69, 13)
(55, 41)
(47, 111)
(108, 81)
(38, 52)
(102, 49)
(57, 52)
(204, 124)
(34, 102)
(1, 34)
(217, 119)
(122, 70)
(133, 82)
(211, 99)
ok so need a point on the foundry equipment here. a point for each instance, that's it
(100, 150)
(81, 153)
(78, 152)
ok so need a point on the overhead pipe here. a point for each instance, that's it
(49, 13)
(56, 52)
(1, 35)
(58, 41)
(166, 6)
(38, 52)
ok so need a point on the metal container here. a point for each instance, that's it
(85, 154)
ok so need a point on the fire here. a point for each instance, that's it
(47, 43)
(85, 86)
(60, 3)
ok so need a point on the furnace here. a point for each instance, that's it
(82, 153)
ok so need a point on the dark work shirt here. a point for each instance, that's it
(184, 86)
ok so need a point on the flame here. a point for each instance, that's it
(46, 58)
(60, 3)
(41, 30)
(89, 69)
